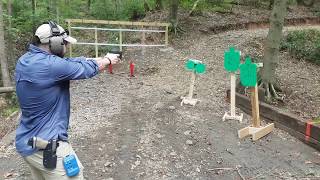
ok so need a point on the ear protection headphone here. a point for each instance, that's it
(56, 41)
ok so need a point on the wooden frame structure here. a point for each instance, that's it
(284, 120)
(120, 30)
(256, 130)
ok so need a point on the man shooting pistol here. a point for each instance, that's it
(42, 78)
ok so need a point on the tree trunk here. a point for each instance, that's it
(9, 8)
(56, 7)
(271, 51)
(173, 16)
(146, 6)
(34, 4)
(159, 5)
(9, 35)
(3, 58)
(115, 10)
(89, 5)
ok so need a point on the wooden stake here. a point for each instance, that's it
(167, 35)
(120, 40)
(96, 41)
(70, 46)
(191, 88)
(233, 101)
(143, 41)
(233, 94)
(255, 107)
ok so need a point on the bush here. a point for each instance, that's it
(208, 5)
(303, 44)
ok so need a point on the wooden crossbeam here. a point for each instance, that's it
(7, 89)
(118, 22)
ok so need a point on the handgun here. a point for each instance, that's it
(116, 51)
(49, 150)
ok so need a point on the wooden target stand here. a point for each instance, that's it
(196, 67)
(231, 64)
(256, 130)
(188, 99)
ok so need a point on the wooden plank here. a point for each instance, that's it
(70, 45)
(120, 40)
(7, 89)
(118, 22)
(255, 107)
(233, 94)
(262, 131)
(143, 41)
(167, 35)
(301, 136)
(288, 121)
(191, 88)
(243, 132)
(96, 41)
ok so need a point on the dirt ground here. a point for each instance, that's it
(135, 128)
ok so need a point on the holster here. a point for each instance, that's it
(49, 154)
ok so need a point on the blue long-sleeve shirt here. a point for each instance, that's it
(42, 87)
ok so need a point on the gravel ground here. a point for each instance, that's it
(135, 128)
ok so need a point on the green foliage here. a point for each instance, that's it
(12, 105)
(303, 44)
(134, 9)
(118, 10)
(208, 5)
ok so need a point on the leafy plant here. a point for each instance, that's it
(12, 105)
(304, 44)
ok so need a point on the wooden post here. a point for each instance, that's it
(233, 94)
(167, 35)
(255, 107)
(143, 41)
(96, 41)
(233, 101)
(120, 40)
(191, 88)
(70, 46)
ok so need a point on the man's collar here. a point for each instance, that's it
(36, 49)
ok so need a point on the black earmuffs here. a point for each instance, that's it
(56, 43)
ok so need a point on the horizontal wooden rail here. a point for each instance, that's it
(7, 89)
(123, 30)
(117, 22)
(123, 45)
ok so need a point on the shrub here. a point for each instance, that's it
(304, 44)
